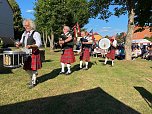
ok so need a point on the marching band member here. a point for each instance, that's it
(31, 41)
(111, 53)
(67, 57)
(86, 42)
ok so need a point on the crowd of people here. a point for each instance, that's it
(31, 41)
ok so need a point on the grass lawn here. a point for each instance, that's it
(123, 89)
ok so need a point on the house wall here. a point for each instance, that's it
(6, 22)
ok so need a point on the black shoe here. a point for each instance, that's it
(85, 68)
(29, 83)
(68, 73)
(62, 73)
(31, 86)
(79, 68)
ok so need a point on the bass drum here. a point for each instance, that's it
(104, 43)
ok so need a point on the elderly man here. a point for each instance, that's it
(67, 57)
(31, 41)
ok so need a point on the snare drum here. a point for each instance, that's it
(13, 59)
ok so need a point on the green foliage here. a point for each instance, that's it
(143, 13)
(150, 39)
(101, 8)
(53, 14)
(142, 8)
(120, 37)
(18, 28)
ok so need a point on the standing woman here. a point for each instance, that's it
(67, 57)
(86, 42)
(31, 41)
(112, 49)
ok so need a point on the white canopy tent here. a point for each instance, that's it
(141, 41)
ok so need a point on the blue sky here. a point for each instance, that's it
(115, 24)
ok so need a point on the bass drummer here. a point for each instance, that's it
(31, 41)
(111, 52)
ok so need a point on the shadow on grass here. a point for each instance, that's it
(48, 76)
(77, 66)
(147, 96)
(59, 50)
(48, 61)
(4, 70)
(108, 62)
(93, 101)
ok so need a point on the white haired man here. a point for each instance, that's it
(31, 41)
(67, 57)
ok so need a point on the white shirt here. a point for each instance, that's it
(114, 43)
(36, 37)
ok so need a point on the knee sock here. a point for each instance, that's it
(112, 62)
(81, 62)
(34, 77)
(69, 69)
(106, 59)
(62, 67)
(86, 64)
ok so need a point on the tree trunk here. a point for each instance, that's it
(46, 34)
(130, 31)
(44, 39)
(51, 40)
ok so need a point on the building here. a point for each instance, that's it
(6, 22)
(142, 34)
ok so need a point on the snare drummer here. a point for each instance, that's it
(111, 53)
(86, 42)
(31, 41)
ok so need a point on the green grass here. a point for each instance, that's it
(122, 89)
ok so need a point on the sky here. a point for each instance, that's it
(115, 24)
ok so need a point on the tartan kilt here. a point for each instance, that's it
(85, 56)
(33, 62)
(67, 56)
(111, 54)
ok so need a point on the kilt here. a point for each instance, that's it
(111, 54)
(33, 62)
(85, 56)
(67, 56)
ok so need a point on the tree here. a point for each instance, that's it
(51, 15)
(18, 28)
(121, 37)
(101, 8)
(143, 13)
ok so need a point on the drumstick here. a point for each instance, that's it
(12, 40)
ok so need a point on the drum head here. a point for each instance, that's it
(104, 43)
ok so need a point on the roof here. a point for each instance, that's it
(140, 35)
(97, 37)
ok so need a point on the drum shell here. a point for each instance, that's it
(13, 59)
